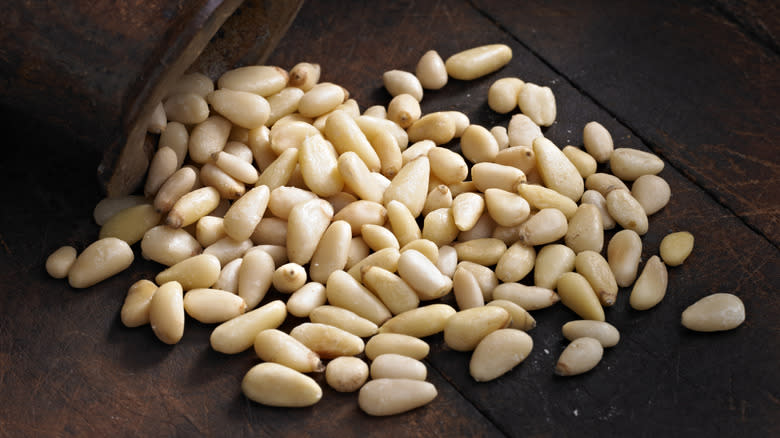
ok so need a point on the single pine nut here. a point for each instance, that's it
(603, 332)
(529, 298)
(597, 141)
(447, 261)
(304, 75)
(399, 82)
(135, 309)
(557, 172)
(284, 104)
(547, 225)
(439, 127)
(583, 161)
(332, 251)
(283, 198)
(478, 61)
(623, 253)
(245, 214)
(402, 222)
(192, 206)
(486, 251)
(228, 187)
(502, 137)
(227, 249)
(466, 289)
(345, 291)
(478, 144)
(306, 298)
(430, 71)
(108, 207)
(210, 306)
(177, 185)
(236, 167)
(629, 164)
(176, 137)
(650, 287)
(197, 83)
(289, 277)
(604, 183)
(393, 291)
(491, 175)
(485, 277)
(346, 135)
(418, 149)
(538, 103)
(378, 111)
(131, 223)
(595, 268)
(404, 109)
(386, 258)
(358, 178)
(578, 295)
(361, 212)
(498, 353)
(102, 259)
(270, 231)
(390, 156)
(516, 262)
(290, 135)
(186, 108)
(467, 209)
(255, 277)
(502, 94)
(466, 328)
(408, 186)
(676, 247)
(238, 334)
(328, 341)
(378, 237)
(166, 313)
(264, 80)
(597, 199)
(242, 108)
(520, 318)
(522, 131)
(305, 226)
(207, 138)
(552, 261)
(540, 197)
(422, 275)
(344, 319)
(228, 276)
(319, 166)
(321, 99)
(384, 397)
(383, 343)
(346, 373)
(447, 165)
(200, 271)
(272, 384)
(272, 345)
(60, 261)
(168, 246)
(652, 192)
(716, 312)
(506, 208)
(585, 231)
(419, 322)
(580, 356)
(372, 126)
(426, 246)
(396, 366)
(279, 172)
(627, 211)
(163, 165)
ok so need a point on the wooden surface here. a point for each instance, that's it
(696, 84)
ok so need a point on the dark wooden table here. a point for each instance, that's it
(695, 82)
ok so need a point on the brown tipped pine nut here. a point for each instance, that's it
(399, 82)
(383, 343)
(430, 71)
(166, 313)
(585, 231)
(627, 211)
(577, 294)
(404, 109)
(528, 297)
(168, 246)
(439, 197)
(102, 259)
(60, 261)
(186, 108)
(521, 157)
(552, 261)
(580, 356)
(131, 223)
(396, 366)
(604, 183)
(478, 61)
(502, 94)
(385, 397)
(558, 173)
(716, 312)
(264, 80)
(467, 209)
(208, 138)
(345, 291)
(390, 288)
(650, 287)
(245, 214)
(273, 345)
(541, 197)
(228, 187)
(439, 127)
(228, 276)
(289, 277)
(419, 322)
(516, 262)
(466, 289)
(422, 275)
(582, 160)
(306, 298)
(603, 332)
(629, 164)
(595, 268)
(192, 206)
(498, 353)
(652, 192)
(597, 141)
(177, 185)
(328, 341)
(676, 247)
(466, 328)
(597, 199)
(538, 103)
(321, 99)
(272, 384)
(304, 75)
(346, 373)
(135, 309)
(305, 226)
(200, 271)
(623, 253)
(210, 306)
(238, 334)
(521, 319)
(506, 208)
(522, 131)
(546, 226)
(343, 319)
(478, 144)
(163, 165)
(245, 109)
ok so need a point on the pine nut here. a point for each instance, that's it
(522, 131)
(245, 214)
(135, 309)
(597, 199)
(236, 167)
(344, 319)
(163, 165)
(431, 71)
(386, 258)
(604, 183)
(108, 207)
(676, 247)
(272, 384)
(716, 312)
(491, 175)
(399, 82)
(538, 103)
(210, 306)
(515, 263)
(259, 79)
(498, 353)
(245, 109)
(583, 161)
(197, 83)
(652, 192)
(466, 328)
(60, 261)
(228, 276)
(378, 237)
(396, 366)
(478, 144)
(272, 345)
(398, 343)
(321, 99)
(603, 332)
(332, 251)
(238, 334)
(393, 291)
(520, 318)
(467, 209)
(650, 287)
(597, 141)
(305, 226)
(486, 251)
(402, 222)
(279, 172)
(506, 208)
(502, 137)
(485, 276)
(552, 261)
(177, 185)
(168, 246)
(192, 206)
(319, 166)
(404, 109)
(419, 322)
(529, 298)
(357, 177)
(502, 94)
(102, 259)
(447, 165)
(466, 289)
(585, 231)
(207, 138)
(306, 298)
(228, 187)
(345, 134)
(595, 268)
(346, 373)
(627, 211)
(478, 61)
(623, 253)
(304, 75)
(283, 104)
(227, 249)
(547, 225)
(186, 108)
(578, 295)
(166, 313)
(580, 356)
(540, 197)
(439, 127)
(270, 231)
(345, 291)
(176, 137)
(629, 164)
(200, 271)
(327, 341)
(406, 186)
(558, 173)
(362, 212)
(422, 275)
(384, 397)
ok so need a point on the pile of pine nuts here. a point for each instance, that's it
(366, 221)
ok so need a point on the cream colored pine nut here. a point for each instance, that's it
(623, 253)
(346, 373)
(186, 108)
(305, 226)
(604, 183)
(478, 144)
(652, 192)
(273, 345)
(238, 334)
(177, 185)
(245, 109)
(100, 260)
(306, 298)
(459, 119)
(197, 83)
(650, 287)
(430, 71)
(402, 222)
(595, 268)
(343, 319)
(332, 251)
(166, 313)
(629, 164)
(390, 289)
(108, 207)
(131, 223)
(60, 261)
(328, 341)
(597, 141)
(522, 130)
(439, 197)
(255, 276)
(502, 94)
(208, 138)
(529, 298)
(346, 135)
(585, 231)
(304, 75)
(135, 309)
(467, 209)
(210, 306)
(603, 332)
(716, 312)
(227, 249)
(676, 247)
(577, 294)
(546, 226)
(467, 292)
(506, 208)
(419, 322)
(200, 271)
(485, 227)
(485, 276)
(486, 251)
(236, 167)
(398, 82)
(237, 144)
(498, 353)
(404, 109)
(290, 134)
(422, 275)
(439, 127)
(491, 175)
(385, 397)
(362, 212)
(509, 235)
(396, 366)
(466, 328)
(228, 187)
(345, 291)
(272, 384)
(284, 104)
(372, 126)
(409, 186)
(228, 276)
(558, 173)
(340, 200)
(260, 144)
(277, 252)
(383, 343)
(580, 356)
(478, 61)
(319, 166)
(520, 318)
(502, 137)
(386, 258)
(447, 165)
(270, 231)
(540, 197)
(390, 156)
(163, 165)
(245, 214)
(552, 261)
(378, 237)
(427, 247)
(516, 262)
(289, 277)
(439, 227)
(264, 80)
(583, 161)
(357, 177)
(322, 98)
(168, 246)
(192, 206)
(378, 111)
(278, 173)
(538, 103)
(627, 211)
(521, 157)
(597, 199)
(176, 137)
(283, 198)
